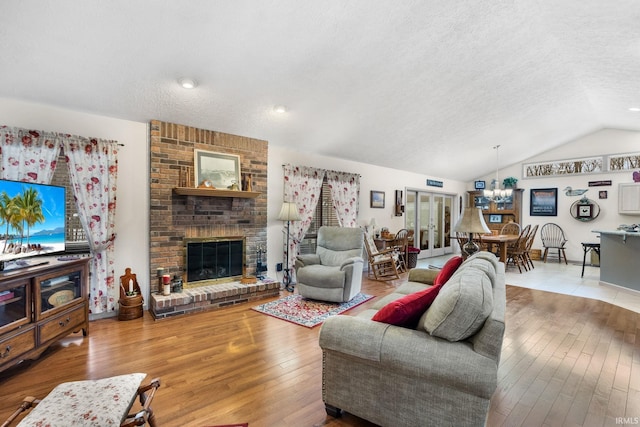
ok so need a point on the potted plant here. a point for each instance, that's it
(510, 182)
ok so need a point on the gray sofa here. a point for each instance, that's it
(442, 373)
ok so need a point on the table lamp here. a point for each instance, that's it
(288, 212)
(471, 222)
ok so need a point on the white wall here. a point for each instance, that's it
(603, 142)
(132, 243)
(132, 209)
(371, 178)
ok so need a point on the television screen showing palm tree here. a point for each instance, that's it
(32, 219)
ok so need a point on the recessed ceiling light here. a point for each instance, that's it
(634, 109)
(280, 109)
(187, 83)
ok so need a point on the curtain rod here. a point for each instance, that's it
(329, 170)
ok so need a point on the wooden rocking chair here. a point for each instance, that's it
(382, 263)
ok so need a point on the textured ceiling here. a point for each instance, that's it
(428, 86)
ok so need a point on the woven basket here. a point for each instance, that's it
(130, 307)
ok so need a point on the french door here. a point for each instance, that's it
(429, 216)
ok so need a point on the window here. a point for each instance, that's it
(76, 240)
(324, 214)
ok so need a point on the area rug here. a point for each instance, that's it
(307, 312)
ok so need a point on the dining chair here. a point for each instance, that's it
(511, 227)
(553, 238)
(529, 245)
(401, 245)
(516, 250)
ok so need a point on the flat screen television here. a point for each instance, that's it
(32, 222)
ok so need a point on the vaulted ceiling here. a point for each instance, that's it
(427, 86)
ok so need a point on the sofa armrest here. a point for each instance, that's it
(355, 336)
(306, 259)
(423, 275)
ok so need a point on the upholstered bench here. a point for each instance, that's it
(97, 403)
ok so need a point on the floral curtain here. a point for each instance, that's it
(93, 170)
(345, 192)
(28, 155)
(302, 185)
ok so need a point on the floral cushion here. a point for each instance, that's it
(98, 403)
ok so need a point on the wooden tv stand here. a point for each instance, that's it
(41, 304)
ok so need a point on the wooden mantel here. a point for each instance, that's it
(207, 192)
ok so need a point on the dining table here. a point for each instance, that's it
(501, 240)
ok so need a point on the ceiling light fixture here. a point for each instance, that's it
(495, 193)
(280, 109)
(187, 83)
(634, 109)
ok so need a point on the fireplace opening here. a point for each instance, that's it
(214, 259)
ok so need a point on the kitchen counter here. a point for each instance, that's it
(620, 258)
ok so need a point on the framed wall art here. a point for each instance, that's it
(377, 199)
(544, 202)
(216, 170)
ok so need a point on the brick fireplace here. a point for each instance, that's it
(175, 218)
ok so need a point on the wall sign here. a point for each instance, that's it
(599, 183)
(544, 202)
(434, 183)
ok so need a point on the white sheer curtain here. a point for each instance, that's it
(29, 155)
(302, 185)
(93, 170)
(345, 192)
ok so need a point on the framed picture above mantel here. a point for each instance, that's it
(217, 170)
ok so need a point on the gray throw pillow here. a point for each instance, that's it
(462, 305)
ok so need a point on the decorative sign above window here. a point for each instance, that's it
(587, 165)
(624, 162)
(434, 183)
(563, 167)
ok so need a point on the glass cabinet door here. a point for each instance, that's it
(15, 308)
(59, 290)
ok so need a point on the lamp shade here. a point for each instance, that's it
(289, 212)
(471, 221)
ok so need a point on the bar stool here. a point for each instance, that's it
(588, 247)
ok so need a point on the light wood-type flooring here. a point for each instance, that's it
(566, 361)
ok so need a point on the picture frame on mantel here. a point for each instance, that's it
(218, 170)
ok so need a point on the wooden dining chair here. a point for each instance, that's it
(527, 252)
(401, 246)
(511, 227)
(516, 251)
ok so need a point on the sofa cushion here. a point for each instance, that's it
(406, 311)
(321, 276)
(462, 305)
(447, 271)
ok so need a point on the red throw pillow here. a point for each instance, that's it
(447, 271)
(406, 311)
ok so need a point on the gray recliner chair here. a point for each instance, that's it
(334, 272)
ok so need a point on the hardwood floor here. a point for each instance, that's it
(566, 360)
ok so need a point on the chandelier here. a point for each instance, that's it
(496, 194)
